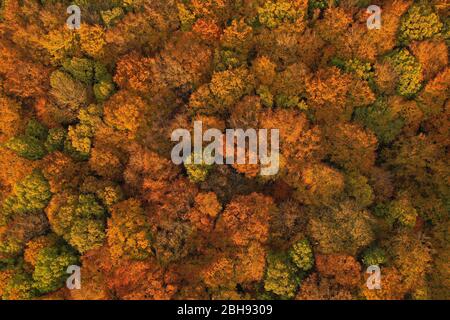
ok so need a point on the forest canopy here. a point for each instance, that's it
(86, 176)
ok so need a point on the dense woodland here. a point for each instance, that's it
(86, 177)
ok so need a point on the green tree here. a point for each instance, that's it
(27, 147)
(344, 230)
(374, 256)
(80, 68)
(301, 255)
(30, 145)
(68, 91)
(80, 220)
(383, 120)
(51, 266)
(196, 172)
(409, 71)
(362, 70)
(110, 17)
(226, 89)
(357, 187)
(18, 230)
(420, 22)
(274, 13)
(412, 257)
(79, 136)
(103, 90)
(19, 286)
(129, 231)
(235, 44)
(29, 195)
(36, 130)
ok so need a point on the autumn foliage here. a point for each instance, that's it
(86, 176)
